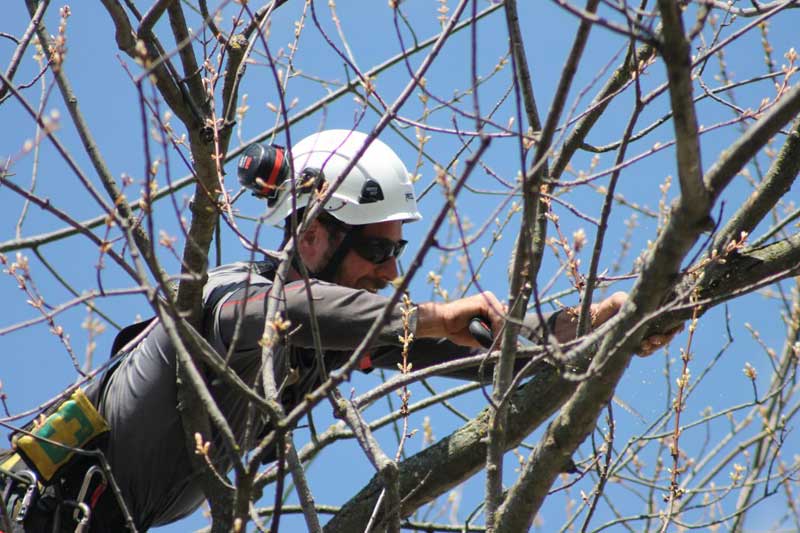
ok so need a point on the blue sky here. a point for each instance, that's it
(36, 366)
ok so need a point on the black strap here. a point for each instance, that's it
(329, 271)
(127, 334)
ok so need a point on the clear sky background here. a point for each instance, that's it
(35, 366)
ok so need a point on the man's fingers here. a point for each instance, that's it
(606, 309)
(649, 346)
(452, 319)
(677, 329)
(495, 311)
(654, 342)
(609, 307)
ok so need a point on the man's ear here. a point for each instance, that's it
(310, 244)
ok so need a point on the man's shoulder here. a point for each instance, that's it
(228, 277)
(265, 269)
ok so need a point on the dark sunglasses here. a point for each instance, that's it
(378, 250)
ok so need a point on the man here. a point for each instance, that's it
(350, 251)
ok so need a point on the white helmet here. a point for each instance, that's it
(377, 188)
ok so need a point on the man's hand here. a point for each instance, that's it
(567, 322)
(451, 320)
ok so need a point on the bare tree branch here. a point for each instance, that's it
(36, 19)
(677, 56)
(458, 456)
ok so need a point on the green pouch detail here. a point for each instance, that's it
(73, 425)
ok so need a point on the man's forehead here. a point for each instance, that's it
(391, 230)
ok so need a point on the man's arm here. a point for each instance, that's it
(451, 320)
(566, 324)
(442, 332)
(343, 315)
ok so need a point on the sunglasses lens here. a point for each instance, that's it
(378, 250)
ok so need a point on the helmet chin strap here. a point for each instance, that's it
(329, 271)
(331, 268)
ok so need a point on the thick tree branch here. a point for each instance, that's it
(520, 262)
(388, 508)
(626, 330)
(773, 187)
(458, 456)
(167, 83)
(191, 70)
(152, 15)
(621, 77)
(237, 47)
(676, 52)
(530, 245)
(303, 491)
(521, 70)
(574, 423)
(748, 144)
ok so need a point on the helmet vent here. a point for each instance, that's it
(371, 192)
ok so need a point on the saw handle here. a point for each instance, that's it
(480, 330)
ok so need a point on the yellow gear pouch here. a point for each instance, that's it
(49, 445)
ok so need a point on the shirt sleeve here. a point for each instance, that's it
(424, 353)
(343, 315)
(534, 329)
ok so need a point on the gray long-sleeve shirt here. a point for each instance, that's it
(147, 449)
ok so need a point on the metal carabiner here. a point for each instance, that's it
(80, 509)
(82, 493)
(30, 494)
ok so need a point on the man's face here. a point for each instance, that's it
(358, 273)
